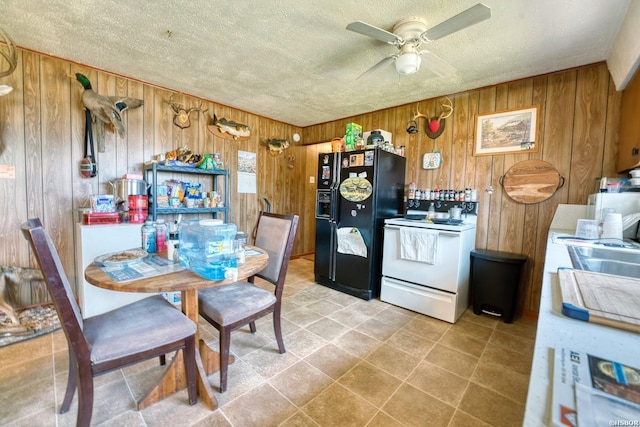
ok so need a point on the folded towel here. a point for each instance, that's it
(419, 245)
(350, 242)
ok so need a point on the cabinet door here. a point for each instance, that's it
(629, 145)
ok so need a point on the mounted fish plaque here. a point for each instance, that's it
(227, 129)
(277, 146)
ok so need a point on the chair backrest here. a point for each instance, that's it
(275, 235)
(58, 285)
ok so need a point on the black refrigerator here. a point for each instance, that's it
(357, 191)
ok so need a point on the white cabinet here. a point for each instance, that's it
(91, 242)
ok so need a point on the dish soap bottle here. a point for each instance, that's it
(431, 212)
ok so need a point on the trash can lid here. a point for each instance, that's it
(498, 256)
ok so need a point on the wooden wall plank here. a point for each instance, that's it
(32, 172)
(135, 131)
(56, 165)
(589, 127)
(610, 156)
(531, 220)
(16, 193)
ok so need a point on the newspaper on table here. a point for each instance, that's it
(592, 391)
(149, 266)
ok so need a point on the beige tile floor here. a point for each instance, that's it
(349, 362)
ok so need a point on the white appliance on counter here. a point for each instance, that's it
(625, 203)
(439, 287)
(91, 242)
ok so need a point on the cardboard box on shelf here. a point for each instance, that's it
(354, 132)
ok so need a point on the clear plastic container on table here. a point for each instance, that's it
(206, 247)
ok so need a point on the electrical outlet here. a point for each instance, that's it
(312, 180)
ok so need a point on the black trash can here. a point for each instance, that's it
(494, 279)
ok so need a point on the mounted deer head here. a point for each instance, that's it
(181, 116)
(435, 125)
(11, 57)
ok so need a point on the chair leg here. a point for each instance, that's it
(85, 397)
(225, 342)
(278, 330)
(190, 367)
(71, 385)
(252, 327)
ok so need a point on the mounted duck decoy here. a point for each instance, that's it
(107, 109)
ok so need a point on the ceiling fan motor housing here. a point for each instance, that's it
(410, 30)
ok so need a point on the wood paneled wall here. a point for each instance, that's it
(42, 131)
(578, 124)
(42, 139)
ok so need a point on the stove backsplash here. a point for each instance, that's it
(441, 206)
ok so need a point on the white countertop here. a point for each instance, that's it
(556, 330)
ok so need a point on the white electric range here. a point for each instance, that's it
(433, 280)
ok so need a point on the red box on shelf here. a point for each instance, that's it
(96, 218)
(138, 216)
(138, 202)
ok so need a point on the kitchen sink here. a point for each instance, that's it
(610, 261)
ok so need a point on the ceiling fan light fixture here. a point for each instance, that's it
(408, 63)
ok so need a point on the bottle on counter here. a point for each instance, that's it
(412, 190)
(161, 236)
(172, 240)
(431, 212)
(239, 247)
(149, 237)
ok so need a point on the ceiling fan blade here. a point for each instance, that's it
(380, 65)
(469, 17)
(437, 65)
(375, 32)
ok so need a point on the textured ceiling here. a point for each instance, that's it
(294, 61)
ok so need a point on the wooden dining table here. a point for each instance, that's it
(187, 282)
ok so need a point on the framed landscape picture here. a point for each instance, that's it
(506, 132)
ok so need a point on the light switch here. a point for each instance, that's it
(312, 179)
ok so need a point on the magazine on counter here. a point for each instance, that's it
(588, 389)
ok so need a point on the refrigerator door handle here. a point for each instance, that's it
(335, 201)
(334, 244)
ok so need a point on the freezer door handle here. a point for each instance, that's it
(334, 244)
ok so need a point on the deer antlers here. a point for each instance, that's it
(181, 116)
(11, 56)
(447, 110)
(434, 128)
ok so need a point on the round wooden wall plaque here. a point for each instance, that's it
(531, 181)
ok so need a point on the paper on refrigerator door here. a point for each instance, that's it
(350, 242)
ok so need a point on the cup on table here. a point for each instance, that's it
(612, 226)
(239, 250)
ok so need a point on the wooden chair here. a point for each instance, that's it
(231, 306)
(139, 331)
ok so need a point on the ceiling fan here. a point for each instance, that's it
(409, 34)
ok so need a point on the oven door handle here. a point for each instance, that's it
(443, 232)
